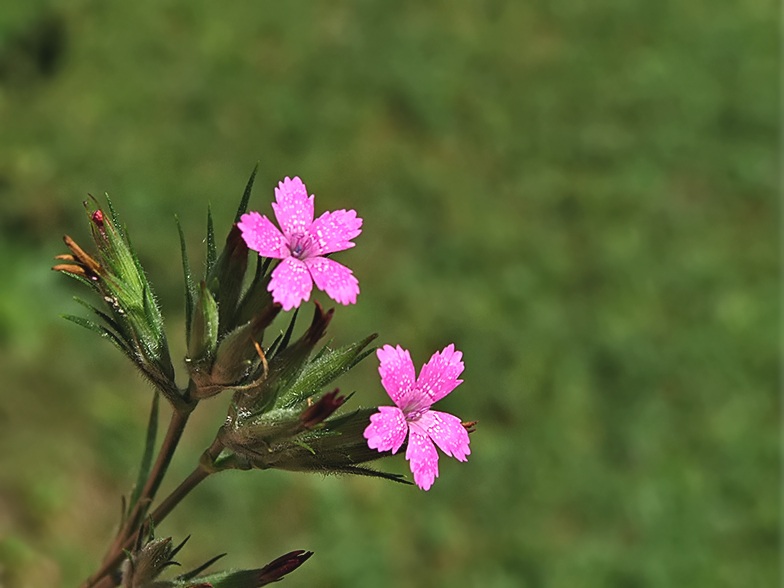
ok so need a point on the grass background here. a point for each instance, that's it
(580, 195)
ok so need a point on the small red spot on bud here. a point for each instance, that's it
(97, 218)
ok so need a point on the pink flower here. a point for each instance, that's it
(412, 415)
(302, 246)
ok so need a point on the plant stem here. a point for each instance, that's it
(173, 434)
(102, 578)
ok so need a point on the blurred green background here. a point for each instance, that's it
(580, 195)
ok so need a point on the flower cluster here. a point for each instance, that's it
(301, 245)
(284, 413)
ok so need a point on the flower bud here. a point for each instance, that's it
(226, 277)
(283, 368)
(320, 410)
(134, 322)
(277, 440)
(204, 330)
(237, 352)
(270, 573)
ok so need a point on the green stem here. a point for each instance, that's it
(176, 426)
(103, 578)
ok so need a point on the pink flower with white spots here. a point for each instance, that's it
(302, 245)
(412, 415)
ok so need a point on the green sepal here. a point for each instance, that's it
(336, 447)
(324, 368)
(189, 288)
(237, 352)
(212, 251)
(272, 348)
(226, 277)
(114, 213)
(116, 252)
(284, 343)
(243, 207)
(204, 332)
(256, 296)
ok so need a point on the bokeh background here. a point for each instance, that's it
(580, 195)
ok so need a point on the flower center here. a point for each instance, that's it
(300, 245)
(416, 413)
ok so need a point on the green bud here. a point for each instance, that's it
(237, 354)
(283, 368)
(277, 441)
(226, 277)
(204, 330)
(133, 322)
(320, 371)
(147, 562)
(270, 573)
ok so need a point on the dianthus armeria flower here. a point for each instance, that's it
(302, 245)
(412, 415)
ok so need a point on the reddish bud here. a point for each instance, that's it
(285, 564)
(322, 409)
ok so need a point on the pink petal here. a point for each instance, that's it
(291, 283)
(333, 231)
(336, 280)
(262, 236)
(387, 429)
(422, 457)
(397, 373)
(446, 430)
(439, 375)
(294, 210)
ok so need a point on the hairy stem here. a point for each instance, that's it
(103, 578)
(132, 524)
(107, 580)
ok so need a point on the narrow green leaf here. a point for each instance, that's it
(109, 320)
(114, 215)
(212, 251)
(91, 284)
(102, 331)
(149, 448)
(186, 270)
(256, 296)
(193, 573)
(287, 337)
(370, 472)
(273, 348)
(243, 207)
(177, 549)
